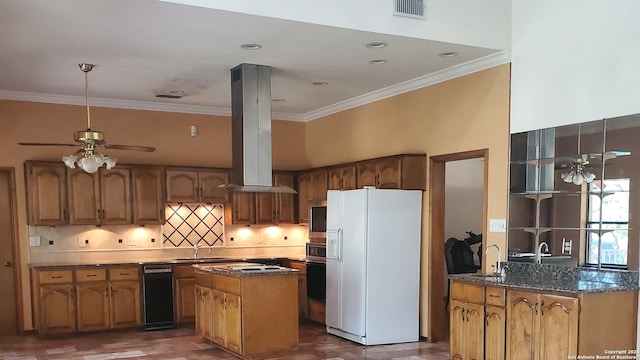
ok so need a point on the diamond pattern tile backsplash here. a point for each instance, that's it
(189, 223)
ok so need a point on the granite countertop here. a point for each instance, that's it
(244, 269)
(177, 261)
(556, 278)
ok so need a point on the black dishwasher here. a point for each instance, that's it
(157, 285)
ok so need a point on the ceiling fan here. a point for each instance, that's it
(87, 157)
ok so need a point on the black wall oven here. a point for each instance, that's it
(316, 271)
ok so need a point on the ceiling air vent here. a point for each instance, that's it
(409, 8)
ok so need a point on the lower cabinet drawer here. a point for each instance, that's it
(467, 292)
(88, 275)
(128, 273)
(494, 296)
(55, 277)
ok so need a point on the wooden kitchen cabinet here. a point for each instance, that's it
(495, 323)
(466, 318)
(276, 208)
(342, 178)
(249, 315)
(541, 326)
(185, 298)
(54, 301)
(395, 172)
(204, 312)
(312, 189)
(101, 198)
(108, 298)
(303, 300)
(190, 185)
(46, 193)
(148, 195)
(242, 210)
(227, 320)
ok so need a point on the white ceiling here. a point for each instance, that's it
(144, 47)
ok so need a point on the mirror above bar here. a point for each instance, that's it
(574, 188)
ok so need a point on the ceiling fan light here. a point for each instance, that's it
(578, 179)
(589, 177)
(89, 164)
(109, 163)
(568, 176)
(70, 161)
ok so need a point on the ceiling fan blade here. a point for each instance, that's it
(129, 147)
(45, 144)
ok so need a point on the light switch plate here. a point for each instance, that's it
(34, 240)
(81, 242)
(497, 225)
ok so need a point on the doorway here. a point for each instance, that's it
(438, 316)
(10, 297)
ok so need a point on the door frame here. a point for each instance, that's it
(437, 167)
(15, 244)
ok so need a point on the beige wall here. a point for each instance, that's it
(463, 114)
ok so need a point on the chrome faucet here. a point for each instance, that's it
(497, 269)
(539, 252)
(196, 246)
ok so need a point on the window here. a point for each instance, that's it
(608, 219)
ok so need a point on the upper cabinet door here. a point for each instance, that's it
(389, 173)
(84, 197)
(148, 199)
(115, 196)
(304, 195)
(319, 182)
(367, 174)
(285, 203)
(342, 178)
(211, 186)
(46, 193)
(182, 186)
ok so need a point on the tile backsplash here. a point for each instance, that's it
(185, 226)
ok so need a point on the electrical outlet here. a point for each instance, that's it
(34, 240)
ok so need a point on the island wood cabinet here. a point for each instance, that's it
(466, 318)
(46, 193)
(186, 296)
(101, 198)
(148, 195)
(108, 298)
(54, 301)
(248, 315)
(539, 324)
(191, 185)
(395, 172)
(342, 177)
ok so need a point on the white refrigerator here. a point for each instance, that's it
(373, 265)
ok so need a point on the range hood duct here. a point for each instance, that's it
(251, 130)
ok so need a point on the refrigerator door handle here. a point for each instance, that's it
(340, 232)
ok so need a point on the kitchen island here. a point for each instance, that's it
(543, 312)
(248, 309)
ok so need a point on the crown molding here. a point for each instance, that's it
(453, 72)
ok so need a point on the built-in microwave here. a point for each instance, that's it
(318, 221)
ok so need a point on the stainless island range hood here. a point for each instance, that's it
(251, 130)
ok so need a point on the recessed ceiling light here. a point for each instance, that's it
(377, 45)
(251, 46)
(173, 94)
(320, 83)
(278, 100)
(378, 61)
(448, 54)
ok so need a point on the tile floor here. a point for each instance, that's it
(184, 344)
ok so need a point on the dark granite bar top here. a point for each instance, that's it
(546, 277)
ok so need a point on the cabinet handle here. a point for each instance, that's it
(57, 277)
(106, 291)
(542, 307)
(486, 318)
(535, 306)
(467, 315)
(494, 295)
(92, 275)
(124, 274)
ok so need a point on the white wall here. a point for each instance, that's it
(573, 61)
(467, 22)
